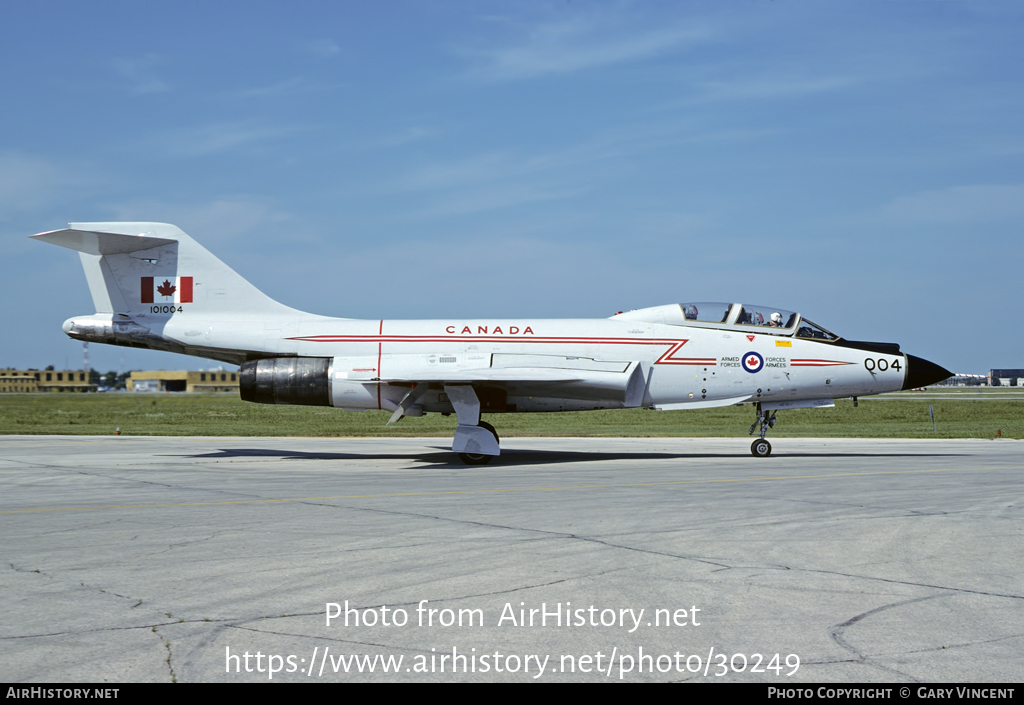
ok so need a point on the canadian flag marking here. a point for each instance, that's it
(176, 290)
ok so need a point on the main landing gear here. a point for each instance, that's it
(480, 458)
(762, 448)
(475, 441)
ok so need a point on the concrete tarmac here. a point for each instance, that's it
(220, 559)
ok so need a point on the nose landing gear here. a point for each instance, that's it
(762, 448)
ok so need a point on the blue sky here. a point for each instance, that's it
(859, 162)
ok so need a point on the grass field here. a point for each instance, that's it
(967, 413)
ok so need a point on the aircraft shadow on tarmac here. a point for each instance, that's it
(515, 457)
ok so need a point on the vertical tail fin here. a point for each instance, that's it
(152, 268)
(155, 287)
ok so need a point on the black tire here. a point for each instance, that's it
(480, 458)
(761, 448)
(484, 424)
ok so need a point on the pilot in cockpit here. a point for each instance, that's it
(776, 320)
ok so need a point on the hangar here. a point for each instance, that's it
(183, 381)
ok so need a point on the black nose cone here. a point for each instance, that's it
(921, 373)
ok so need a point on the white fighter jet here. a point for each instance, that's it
(155, 287)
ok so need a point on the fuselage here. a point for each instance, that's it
(681, 364)
(155, 287)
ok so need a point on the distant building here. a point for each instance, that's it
(45, 381)
(183, 381)
(1005, 378)
(964, 380)
(18, 381)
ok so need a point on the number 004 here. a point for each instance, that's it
(881, 364)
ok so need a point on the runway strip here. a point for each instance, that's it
(505, 489)
(163, 559)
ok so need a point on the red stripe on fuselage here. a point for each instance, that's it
(666, 359)
(380, 354)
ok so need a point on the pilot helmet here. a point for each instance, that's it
(776, 317)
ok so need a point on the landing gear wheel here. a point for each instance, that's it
(479, 458)
(761, 448)
(484, 424)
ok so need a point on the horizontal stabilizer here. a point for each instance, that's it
(96, 243)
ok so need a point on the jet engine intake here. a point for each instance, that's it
(286, 380)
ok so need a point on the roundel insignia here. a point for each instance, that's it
(753, 362)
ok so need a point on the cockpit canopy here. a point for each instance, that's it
(741, 317)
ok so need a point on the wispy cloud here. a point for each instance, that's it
(218, 220)
(404, 137)
(506, 178)
(498, 196)
(323, 48)
(496, 180)
(29, 182)
(534, 267)
(959, 204)
(139, 74)
(460, 173)
(767, 87)
(24, 178)
(576, 45)
(289, 86)
(212, 139)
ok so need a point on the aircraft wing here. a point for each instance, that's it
(499, 376)
(622, 383)
(626, 385)
(623, 379)
(703, 404)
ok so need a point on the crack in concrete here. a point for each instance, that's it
(544, 532)
(78, 528)
(946, 647)
(837, 634)
(326, 638)
(138, 601)
(98, 474)
(167, 647)
(78, 471)
(708, 561)
(189, 542)
(71, 632)
(16, 569)
(909, 583)
(721, 565)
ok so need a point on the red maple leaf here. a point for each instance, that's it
(166, 289)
